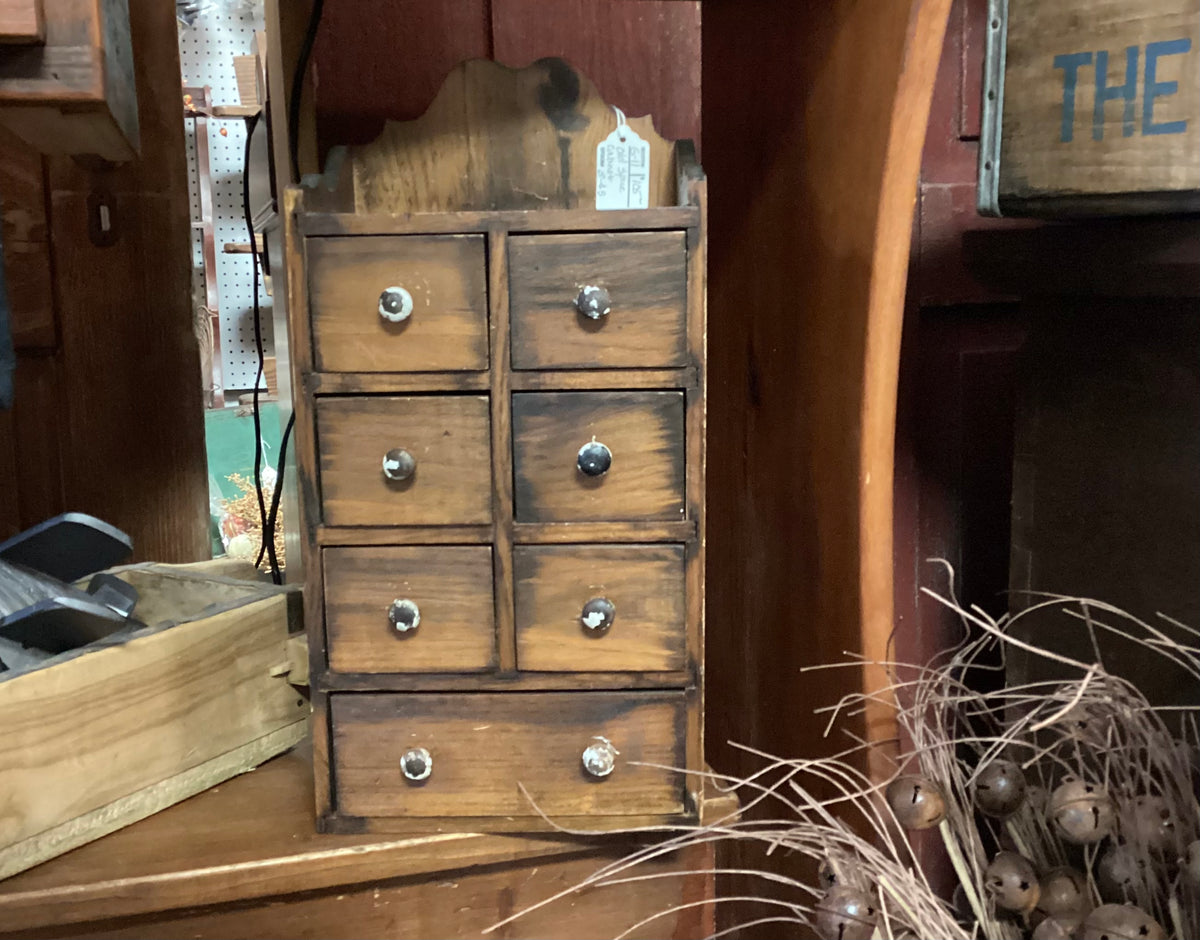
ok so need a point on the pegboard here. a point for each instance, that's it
(223, 29)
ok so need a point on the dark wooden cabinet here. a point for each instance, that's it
(501, 438)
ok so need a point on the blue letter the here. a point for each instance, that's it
(1156, 89)
(1128, 91)
(1070, 64)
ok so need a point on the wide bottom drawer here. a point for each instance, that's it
(508, 754)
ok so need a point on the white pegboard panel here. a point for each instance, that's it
(223, 29)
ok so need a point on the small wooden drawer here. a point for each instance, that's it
(643, 276)
(447, 442)
(557, 481)
(591, 608)
(360, 287)
(483, 747)
(410, 609)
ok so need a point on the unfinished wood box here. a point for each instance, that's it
(69, 87)
(106, 735)
(1091, 107)
(503, 497)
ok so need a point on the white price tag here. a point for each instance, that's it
(623, 169)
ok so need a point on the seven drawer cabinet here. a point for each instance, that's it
(500, 432)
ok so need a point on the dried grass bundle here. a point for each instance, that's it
(1067, 807)
(241, 521)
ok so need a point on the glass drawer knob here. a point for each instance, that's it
(395, 304)
(594, 459)
(593, 302)
(404, 615)
(598, 615)
(599, 758)
(399, 464)
(416, 764)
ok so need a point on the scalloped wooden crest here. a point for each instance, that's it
(495, 138)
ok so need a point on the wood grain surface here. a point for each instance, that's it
(91, 731)
(21, 22)
(452, 588)
(250, 839)
(28, 277)
(499, 138)
(502, 475)
(445, 274)
(461, 904)
(644, 56)
(449, 437)
(645, 275)
(645, 583)
(814, 117)
(358, 93)
(108, 417)
(485, 747)
(322, 219)
(644, 431)
(74, 92)
(1044, 154)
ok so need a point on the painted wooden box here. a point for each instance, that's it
(500, 430)
(113, 732)
(1091, 107)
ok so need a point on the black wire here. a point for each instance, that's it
(273, 512)
(268, 540)
(269, 518)
(297, 88)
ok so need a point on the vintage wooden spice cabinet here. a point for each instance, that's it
(500, 426)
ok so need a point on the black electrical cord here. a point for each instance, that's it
(269, 517)
(297, 89)
(268, 539)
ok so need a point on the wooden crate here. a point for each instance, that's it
(71, 89)
(1091, 107)
(107, 735)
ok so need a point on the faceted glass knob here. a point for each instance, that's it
(395, 304)
(399, 464)
(599, 758)
(404, 615)
(598, 615)
(416, 764)
(593, 302)
(594, 459)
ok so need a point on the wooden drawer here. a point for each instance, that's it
(445, 276)
(645, 629)
(450, 589)
(643, 431)
(447, 435)
(645, 276)
(485, 746)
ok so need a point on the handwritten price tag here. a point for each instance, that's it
(623, 169)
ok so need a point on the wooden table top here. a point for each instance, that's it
(250, 837)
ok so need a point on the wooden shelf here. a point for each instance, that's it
(251, 842)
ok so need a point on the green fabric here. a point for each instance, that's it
(230, 441)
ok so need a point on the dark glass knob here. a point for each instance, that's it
(404, 615)
(597, 616)
(416, 764)
(593, 302)
(594, 459)
(399, 464)
(395, 304)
